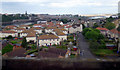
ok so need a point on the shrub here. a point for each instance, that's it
(34, 46)
(9, 37)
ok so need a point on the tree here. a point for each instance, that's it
(86, 30)
(100, 36)
(110, 19)
(24, 43)
(92, 35)
(95, 25)
(64, 20)
(109, 25)
(9, 37)
(98, 31)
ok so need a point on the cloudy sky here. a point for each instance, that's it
(60, 6)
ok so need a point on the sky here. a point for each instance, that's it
(82, 7)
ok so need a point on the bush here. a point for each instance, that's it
(9, 37)
(34, 46)
(7, 48)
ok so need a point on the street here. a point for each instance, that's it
(84, 47)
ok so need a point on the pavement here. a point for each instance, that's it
(83, 45)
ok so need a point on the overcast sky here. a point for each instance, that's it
(60, 6)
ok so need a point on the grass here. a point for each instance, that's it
(45, 47)
(62, 47)
(102, 52)
(13, 42)
(7, 48)
(16, 41)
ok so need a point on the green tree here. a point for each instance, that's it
(92, 35)
(100, 36)
(9, 37)
(98, 31)
(95, 25)
(86, 30)
(109, 25)
(64, 20)
(110, 19)
(24, 43)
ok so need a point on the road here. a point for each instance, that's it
(84, 47)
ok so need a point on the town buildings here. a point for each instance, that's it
(44, 34)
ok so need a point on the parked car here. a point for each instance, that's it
(75, 48)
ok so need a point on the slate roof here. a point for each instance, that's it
(19, 52)
(48, 36)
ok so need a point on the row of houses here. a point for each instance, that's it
(114, 34)
(49, 53)
(44, 34)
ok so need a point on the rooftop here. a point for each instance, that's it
(9, 31)
(99, 28)
(20, 28)
(114, 31)
(48, 36)
(24, 26)
(19, 52)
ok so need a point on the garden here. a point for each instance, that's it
(7, 48)
(98, 42)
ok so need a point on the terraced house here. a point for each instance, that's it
(48, 39)
(8, 33)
